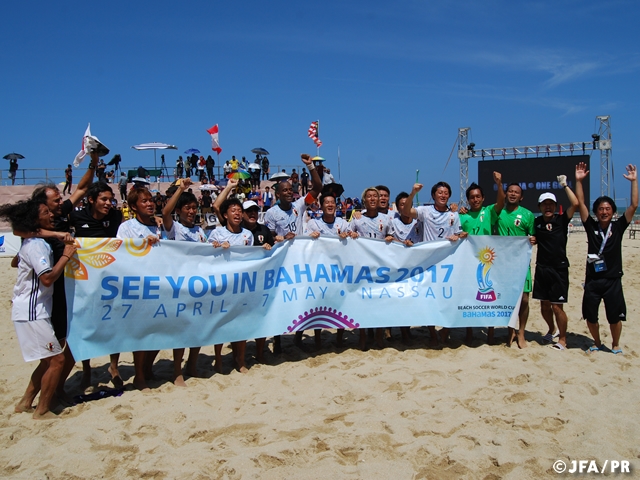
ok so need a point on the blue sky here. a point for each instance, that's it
(390, 82)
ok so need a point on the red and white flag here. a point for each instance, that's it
(314, 133)
(215, 146)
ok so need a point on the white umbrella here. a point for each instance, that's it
(279, 176)
(207, 186)
(154, 146)
(254, 166)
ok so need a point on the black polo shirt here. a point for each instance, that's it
(612, 252)
(551, 238)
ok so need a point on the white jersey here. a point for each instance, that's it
(411, 231)
(223, 234)
(283, 222)
(31, 299)
(334, 229)
(377, 227)
(438, 225)
(186, 234)
(134, 229)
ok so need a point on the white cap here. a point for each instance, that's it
(249, 204)
(547, 196)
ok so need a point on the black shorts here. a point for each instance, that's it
(609, 290)
(59, 309)
(551, 283)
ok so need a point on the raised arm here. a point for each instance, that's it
(224, 194)
(168, 209)
(407, 208)
(581, 174)
(573, 200)
(632, 176)
(316, 181)
(497, 177)
(85, 181)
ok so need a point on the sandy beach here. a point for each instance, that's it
(459, 411)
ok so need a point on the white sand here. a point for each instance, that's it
(458, 412)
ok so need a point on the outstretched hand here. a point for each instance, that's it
(581, 171)
(417, 187)
(632, 173)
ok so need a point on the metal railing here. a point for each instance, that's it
(33, 176)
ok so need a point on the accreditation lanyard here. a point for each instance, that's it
(604, 237)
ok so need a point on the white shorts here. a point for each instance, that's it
(37, 339)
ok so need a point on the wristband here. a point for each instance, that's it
(92, 167)
(67, 256)
(311, 167)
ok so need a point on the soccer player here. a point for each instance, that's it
(232, 234)
(604, 260)
(408, 231)
(142, 226)
(482, 220)
(372, 224)
(383, 201)
(286, 219)
(551, 283)
(98, 220)
(32, 304)
(262, 237)
(331, 226)
(185, 204)
(439, 223)
(49, 194)
(517, 221)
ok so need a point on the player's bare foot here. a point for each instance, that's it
(48, 415)
(242, 369)
(179, 381)
(22, 407)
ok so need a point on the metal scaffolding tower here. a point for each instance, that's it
(600, 141)
(465, 151)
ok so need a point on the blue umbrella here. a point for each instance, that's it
(191, 151)
(260, 151)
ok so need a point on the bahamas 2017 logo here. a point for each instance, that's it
(485, 285)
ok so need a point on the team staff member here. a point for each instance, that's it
(604, 260)
(517, 221)
(98, 220)
(551, 283)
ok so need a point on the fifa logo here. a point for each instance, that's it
(485, 285)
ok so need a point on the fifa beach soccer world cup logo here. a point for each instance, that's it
(485, 285)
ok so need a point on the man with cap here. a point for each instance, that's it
(604, 259)
(551, 284)
(261, 236)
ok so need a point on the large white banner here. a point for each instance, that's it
(124, 295)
